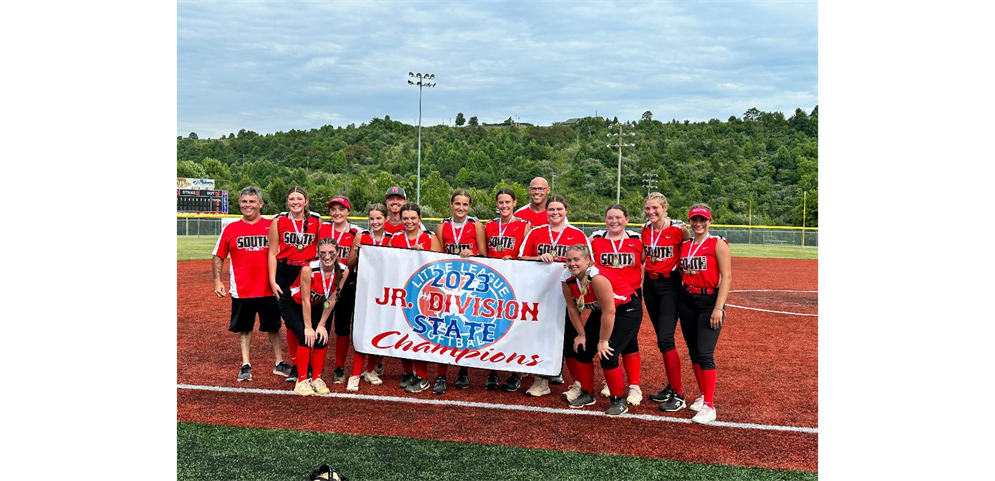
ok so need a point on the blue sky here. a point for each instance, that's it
(268, 66)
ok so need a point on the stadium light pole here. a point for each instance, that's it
(649, 178)
(619, 137)
(421, 82)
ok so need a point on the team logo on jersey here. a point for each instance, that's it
(502, 242)
(661, 252)
(617, 259)
(457, 248)
(460, 304)
(344, 251)
(696, 263)
(252, 242)
(556, 251)
(293, 238)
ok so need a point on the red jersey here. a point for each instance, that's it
(663, 248)
(541, 240)
(621, 290)
(507, 237)
(620, 258)
(289, 237)
(401, 240)
(532, 217)
(317, 288)
(248, 245)
(698, 262)
(467, 236)
(344, 238)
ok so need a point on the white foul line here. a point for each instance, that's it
(769, 290)
(508, 407)
(768, 310)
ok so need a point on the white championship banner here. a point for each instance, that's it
(477, 312)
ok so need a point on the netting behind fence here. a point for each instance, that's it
(199, 226)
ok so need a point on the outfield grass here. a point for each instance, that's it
(190, 248)
(206, 451)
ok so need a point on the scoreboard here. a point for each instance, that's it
(202, 201)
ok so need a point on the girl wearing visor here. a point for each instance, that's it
(344, 234)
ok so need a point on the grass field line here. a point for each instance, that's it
(507, 407)
(768, 310)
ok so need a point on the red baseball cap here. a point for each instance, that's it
(700, 211)
(340, 200)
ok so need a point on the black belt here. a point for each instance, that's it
(291, 262)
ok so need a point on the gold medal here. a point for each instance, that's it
(499, 248)
(300, 247)
(326, 305)
(616, 263)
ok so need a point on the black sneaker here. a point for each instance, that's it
(462, 380)
(282, 369)
(417, 384)
(440, 385)
(405, 380)
(584, 399)
(292, 377)
(379, 369)
(674, 403)
(491, 384)
(618, 406)
(557, 379)
(513, 383)
(662, 396)
(245, 373)
(339, 377)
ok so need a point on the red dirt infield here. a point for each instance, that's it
(767, 374)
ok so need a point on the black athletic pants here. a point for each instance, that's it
(695, 313)
(662, 296)
(628, 318)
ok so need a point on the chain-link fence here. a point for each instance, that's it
(200, 226)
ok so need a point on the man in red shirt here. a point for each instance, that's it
(247, 240)
(535, 211)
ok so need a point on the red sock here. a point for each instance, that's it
(407, 365)
(341, 349)
(421, 369)
(374, 360)
(317, 361)
(572, 369)
(697, 377)
(301, 360)
(584, 373)
(292, 346)
(632, 366)
(708, 376)
(357, 363)
(614, 378)
(672, 364)
(442, 370)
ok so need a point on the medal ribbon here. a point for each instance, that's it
(458, 236)
(409, 242)
(300, 233)
(338, 240)
(692, 250)
(654, 239)
(555, 241)
(327, 284)
(383, 236)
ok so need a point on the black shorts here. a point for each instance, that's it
(243, 314)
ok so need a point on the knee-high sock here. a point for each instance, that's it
(614, 379)
(421, 368)
(632, 367)
(341, 349)
(292, 346)
(442, 370)
(708, 376)
(357, 363)
(407, 365)
(672, 364)
(697, 377)
(301, 360)
(583, 372)
(572, 369)
(374, 360)
(317, 361)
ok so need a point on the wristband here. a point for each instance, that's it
(721, 309)
(602, 340)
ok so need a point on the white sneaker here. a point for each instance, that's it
(605, 392)
(372, 378)
(697, 404)
(353, 384)
(539, 388)
(319, 386)
(635, 395)
(573, 392)
(304, 388)
(704, 416)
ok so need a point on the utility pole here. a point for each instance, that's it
(619, 137)
(420, 83)
(649, 178)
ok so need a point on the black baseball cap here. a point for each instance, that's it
(395, 191)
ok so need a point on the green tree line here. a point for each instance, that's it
(760, 164)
